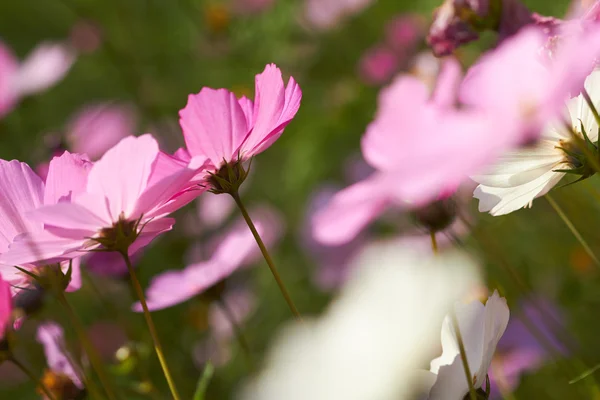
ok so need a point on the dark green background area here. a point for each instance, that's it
(155, 52)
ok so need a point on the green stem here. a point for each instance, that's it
(572, 228)
(34, 379)
(236, 329)
(463, 356)
(157, 346)
(265, 253)
(591, 105)
(89, 349)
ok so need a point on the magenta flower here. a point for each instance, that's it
(23, 192)
(235, 250)
(51, 336)
(222, 128)
(6, 307)
(96, 128)
(128, 194)
(412, 169)
(404, 32)
(377, 65)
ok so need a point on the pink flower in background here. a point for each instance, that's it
(404, 32)
(378, 65)
(51, 336)
(240, 303)
(220, 127)
(236, 249)
(132, 188)
(325, 14)
(420, 145)
(6, 307)
(213, 210)
(85, 36)
(96, 128)
(47, 64)
(23, 192)
(110, 263)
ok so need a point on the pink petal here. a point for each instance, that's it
(213, 125)
(42, 247)
(122, 174)
(241, 302)
(69, 216)
(20, 191)
(150, 231)
(448, 82)
(248, 109)
(351, 209)
(51, 336)
(75, 283)
(274, 108)
(47, 64)
(67, 177)
(5, 306)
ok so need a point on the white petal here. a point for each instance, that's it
(500, 201)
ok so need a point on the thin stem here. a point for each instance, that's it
(89, 349)
(236, 329)
(39, 383)
(463, 356)
(572, 228)
(434, 245)
(157, 346)
(268, 259)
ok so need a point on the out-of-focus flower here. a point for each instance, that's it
(325, 14)
(252, 6)
(240, 303)
(96, 128)
(378, 65)
(220, 128)
(108, 263)
(363, 337)
(234, 250)
(85, 36)
(411, 170)
(525, 174)
(61, 378)
(47, 64)
(213, 210)
(524, 346)
(128, 194)
(6, 307)
(457, 22)
(481, 328)
(513, 83)
(107, 338)
(404, 32)
(23, 192)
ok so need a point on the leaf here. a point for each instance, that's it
(204, 380)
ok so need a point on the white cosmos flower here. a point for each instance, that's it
(525, 174)
(371, 342)
(481, 328)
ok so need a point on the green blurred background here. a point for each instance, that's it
(154, 53)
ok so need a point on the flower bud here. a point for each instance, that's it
(437, 215)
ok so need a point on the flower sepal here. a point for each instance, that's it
(229, 178)
(119, 236)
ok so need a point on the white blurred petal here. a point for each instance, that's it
(47, 64)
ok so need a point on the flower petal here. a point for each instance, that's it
(67, 177)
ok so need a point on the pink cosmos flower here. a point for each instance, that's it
(131, 189)
(235, 250)
(51, 336)
(6, 307)
(47, 64)
(404, 32)
(22, 192)
(325, 14)
(98, 127)
(515, 84)
(220, 127)
(421, 147)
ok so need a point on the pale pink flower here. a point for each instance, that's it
(514, 83)
(213, 210)
(420, 145)
(404, 32)
(133, 187)
(236, 249)
(96, 128)
(6, 307)
(47, 64)
(51, 336)
(325, 14)
(220, 127)
(377, 65)
(23, 192)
